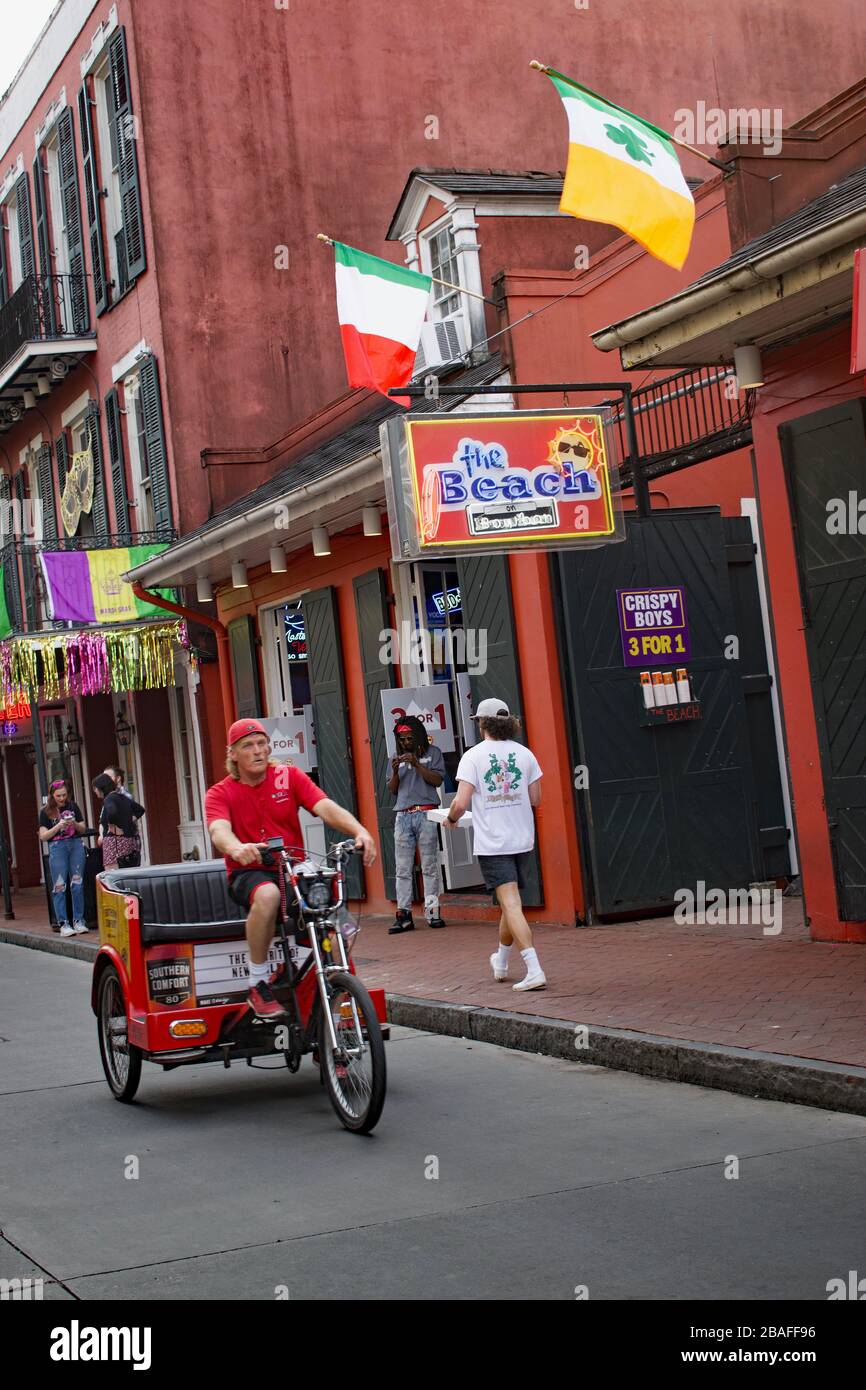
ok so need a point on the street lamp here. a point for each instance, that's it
(123, 730)
(30, 754)
(72, 741)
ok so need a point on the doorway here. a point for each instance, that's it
(667, 804)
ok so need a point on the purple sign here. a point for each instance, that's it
(654, 626)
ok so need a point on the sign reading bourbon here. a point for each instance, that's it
(506, 481)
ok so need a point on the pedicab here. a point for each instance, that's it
(170, 980)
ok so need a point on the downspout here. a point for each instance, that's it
(222, 636)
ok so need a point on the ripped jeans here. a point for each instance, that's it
(412, 830)
(66, 861)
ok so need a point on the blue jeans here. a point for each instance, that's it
(66, 861)
(413, 830)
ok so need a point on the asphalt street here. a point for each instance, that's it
(552, 1176)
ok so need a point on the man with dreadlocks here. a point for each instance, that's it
(416, 771)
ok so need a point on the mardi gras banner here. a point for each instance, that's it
(64, 664)
(85, 586)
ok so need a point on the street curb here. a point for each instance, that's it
(765, 1075)
(54, 945)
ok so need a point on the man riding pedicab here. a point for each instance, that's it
(257, 801)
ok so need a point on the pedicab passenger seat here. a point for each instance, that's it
(181, 902)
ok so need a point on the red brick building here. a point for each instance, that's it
(163, 173)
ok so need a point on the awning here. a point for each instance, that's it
(328, 487)
(795, 278)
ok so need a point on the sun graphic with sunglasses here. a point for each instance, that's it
(571, 446)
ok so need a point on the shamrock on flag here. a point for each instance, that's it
(624, 171)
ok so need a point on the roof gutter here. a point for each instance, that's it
(201, 551)
(743, 277)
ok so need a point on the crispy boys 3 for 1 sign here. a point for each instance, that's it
(654, 625)
(522, 479)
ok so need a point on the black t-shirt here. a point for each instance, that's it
(70, 812)
(120, 810)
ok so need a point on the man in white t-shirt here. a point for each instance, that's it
(500, 781)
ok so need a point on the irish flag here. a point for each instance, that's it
(380, 307)
(623, 171)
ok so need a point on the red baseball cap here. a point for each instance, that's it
(242, 727)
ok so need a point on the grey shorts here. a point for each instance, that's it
(505, 868)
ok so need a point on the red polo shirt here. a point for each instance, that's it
(265, 811)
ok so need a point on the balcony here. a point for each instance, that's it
(24, 582)
(682, 419)
(44, 332)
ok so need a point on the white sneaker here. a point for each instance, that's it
(66, 930)
(498, 972)
(535, 979)
(80, 928)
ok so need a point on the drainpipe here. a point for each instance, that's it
(215, 626)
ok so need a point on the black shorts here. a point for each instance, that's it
(505, 868)
(244, 883)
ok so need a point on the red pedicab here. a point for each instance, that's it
(170, 979)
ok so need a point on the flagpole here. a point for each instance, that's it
(692, 149)
(329, 241)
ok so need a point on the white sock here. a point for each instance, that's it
(531, 960)
(503, 954)
(258, 973)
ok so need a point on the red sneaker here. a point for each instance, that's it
(263, 1004)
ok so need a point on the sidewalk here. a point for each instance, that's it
(713, 990)
(727, 985)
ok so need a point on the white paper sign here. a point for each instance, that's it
(290, 739)
(221, 968)
(467, 709)
(429, 703)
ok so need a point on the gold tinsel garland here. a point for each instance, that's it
(93, 662)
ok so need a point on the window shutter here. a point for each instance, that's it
(116, 462)
(5, 488)
(29, 591)
(78, 318)
(92, 201)
(123, 128)
(330, 711)
(46, 264)
(485, 593)
(371, 609)
(4, 283)
(61, 448)
(98, 511)
(154, 433)
(46, 493)
(25, 227)
(245, 667)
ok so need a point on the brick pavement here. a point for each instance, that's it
(710, 984)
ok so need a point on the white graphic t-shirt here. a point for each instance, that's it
(501, 773)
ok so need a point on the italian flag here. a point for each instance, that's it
(380, 307)
(623, 171)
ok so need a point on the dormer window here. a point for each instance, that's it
(443, 265)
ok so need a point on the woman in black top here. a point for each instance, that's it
(117, 825)
(61, 826)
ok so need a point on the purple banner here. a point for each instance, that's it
(654, 626)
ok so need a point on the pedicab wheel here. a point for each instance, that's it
(121, 1061)
(355, 1075)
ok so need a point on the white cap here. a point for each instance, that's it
(490, 709)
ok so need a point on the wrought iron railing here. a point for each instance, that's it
(23, 578)
(42, 308)
(685, 417)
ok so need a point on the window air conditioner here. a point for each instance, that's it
(442, 341)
